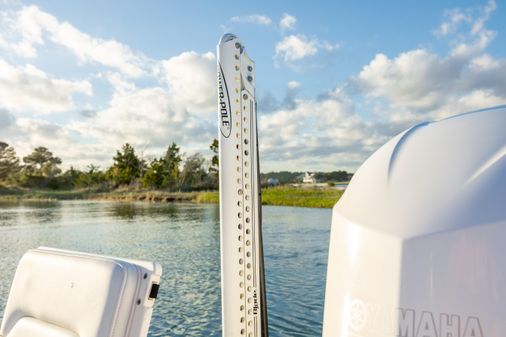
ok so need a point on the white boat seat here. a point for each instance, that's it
(28, 326)
(58, 293)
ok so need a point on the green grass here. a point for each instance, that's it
(287, 196)
(323, 197)
(211, 197)
(301, 197)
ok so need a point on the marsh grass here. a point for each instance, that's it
(287, 196)
(317, 197)
(16, 194)
(301, 196)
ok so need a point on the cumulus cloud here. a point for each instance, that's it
(119, 83)
(453, 19)
(394, 92)
(296, 47)
(326, 130)
(191, 80)
(479, 23)
(257, 19)
(88, 113)
(268, 103)
(292, 90)
(466, 29)
(414, 79)
(180, 109)
(6, 119)
(420, 84)
(287, 22)
(25, 134)
(35, 27)
(148, 119)
(423, 82)
(28, 88)
(175, 100)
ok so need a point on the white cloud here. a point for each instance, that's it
(479, 23)
(453, 19)
(191, 80)
(148, 119)
(28, 88)
(420, 84)
(287, 22)
(477, 38)
(394, 92)
(6, 120)
(139, 117)
(292, 85)
(296, 47)
(329, 46)
(177, 102)
(414, 79)
(338, 137)
(181, 110)
(36, 27)
(257, 19)
(25, 134)
(119, 83)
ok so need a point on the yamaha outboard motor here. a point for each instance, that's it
(418, 240)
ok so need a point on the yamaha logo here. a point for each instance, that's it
(371, 320)
(224, 105)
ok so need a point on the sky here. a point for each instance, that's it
(335, 79)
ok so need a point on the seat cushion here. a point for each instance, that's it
(88, 295)
(31, 327)
(75, 292)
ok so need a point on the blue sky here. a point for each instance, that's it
(335, 80)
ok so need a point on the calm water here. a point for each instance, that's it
(184, 238)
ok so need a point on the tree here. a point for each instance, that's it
(194, 175)
(70, 177)
(170, 163)
(93, 176)
(215, 163)
(42, 163)
(126, 167)
(154, 175)
(9, 162)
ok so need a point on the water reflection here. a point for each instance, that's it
(29, 212)
(171, 211)
(185, 239)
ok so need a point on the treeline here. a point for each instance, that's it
(41, 169)
(171, 171)
(286, 177)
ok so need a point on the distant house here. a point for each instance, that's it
(273, 181)
(309, 178)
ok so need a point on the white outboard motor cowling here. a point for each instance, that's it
(418, 240)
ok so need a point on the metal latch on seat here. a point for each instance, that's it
(153, 294)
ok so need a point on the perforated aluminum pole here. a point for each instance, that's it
(244, 309)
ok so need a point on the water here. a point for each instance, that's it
(184, 238)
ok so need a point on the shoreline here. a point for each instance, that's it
(313, 197)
